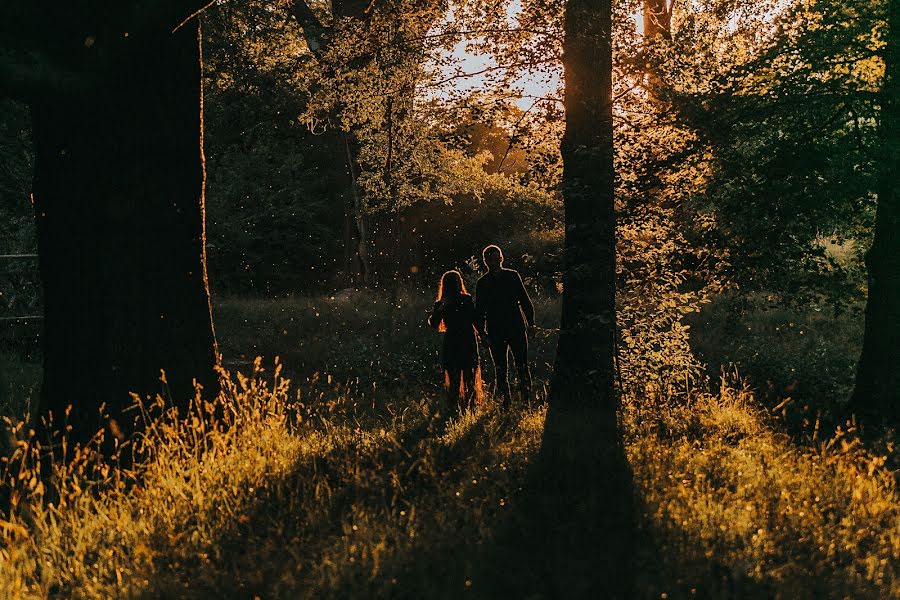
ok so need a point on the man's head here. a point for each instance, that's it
(493, 257)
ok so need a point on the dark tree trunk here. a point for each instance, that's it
(583, 372)
(591, 518)
(877, 392)
(359, 230)
(118, 188)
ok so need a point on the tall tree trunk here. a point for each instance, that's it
(583, 372)
(877, 392)
(581, 452)
(118, 187)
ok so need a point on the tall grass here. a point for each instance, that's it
(363, 336)
(325, 489)
(303, 494)
(735, 509)
(808, 354)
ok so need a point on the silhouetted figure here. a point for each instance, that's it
(505, 309)
(454, 315)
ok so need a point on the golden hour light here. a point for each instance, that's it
(490, 299)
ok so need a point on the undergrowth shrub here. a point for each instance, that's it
(807, 354)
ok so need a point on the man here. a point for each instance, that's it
(503, 306)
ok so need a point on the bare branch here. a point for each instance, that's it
(194, 14)
(490, 70)
(480, 32)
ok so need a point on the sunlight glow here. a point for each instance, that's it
(471, 71)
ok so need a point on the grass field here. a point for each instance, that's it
(357, 483)
(806, 354)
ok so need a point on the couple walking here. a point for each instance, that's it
(498, 314)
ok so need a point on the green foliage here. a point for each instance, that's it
(433, 180)
(275, 194)
(783, 105)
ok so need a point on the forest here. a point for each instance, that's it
(450, 298)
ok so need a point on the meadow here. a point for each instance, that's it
(336, 471)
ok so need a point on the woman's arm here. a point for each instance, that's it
(437, 315)
(478, 322)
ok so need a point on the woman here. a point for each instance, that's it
(454, 315)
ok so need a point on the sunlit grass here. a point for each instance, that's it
(736, 507)
(321, 489)
(299, 493)
(306, 493)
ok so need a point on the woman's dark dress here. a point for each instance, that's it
(460, 343)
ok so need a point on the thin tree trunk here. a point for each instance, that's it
(877, 392)
(359, 220)
(583, 372)
(349, 262)
(391, 263)
(118, 187)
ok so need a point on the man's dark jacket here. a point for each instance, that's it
(503, 303)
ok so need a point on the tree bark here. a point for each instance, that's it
(360, 231)
(877, 392)
(581, 451)
(118, 187)
(583, 372)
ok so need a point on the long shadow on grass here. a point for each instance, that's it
(571, 533)
(567, 532)
(577, 532)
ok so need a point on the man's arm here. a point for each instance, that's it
(525, 301)
(480, 310)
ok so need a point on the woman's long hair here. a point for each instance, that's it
(451, 285)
